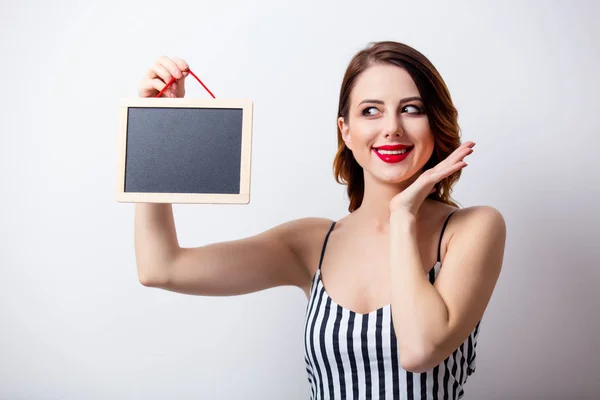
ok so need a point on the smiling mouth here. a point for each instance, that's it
(393, 155)
(385, 152)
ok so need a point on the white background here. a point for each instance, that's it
(75, 323)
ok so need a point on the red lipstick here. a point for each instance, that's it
(394, 157)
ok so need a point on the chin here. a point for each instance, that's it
(394, 177)
(399, 173)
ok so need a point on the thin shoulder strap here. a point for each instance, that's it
(325, 244)
(439, 253)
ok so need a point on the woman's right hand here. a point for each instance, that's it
(160, 74)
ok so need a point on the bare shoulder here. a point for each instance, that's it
(301, 229)
(309, 223)
(479, 218)
(303, 232)
(479, 226)
(305, 237)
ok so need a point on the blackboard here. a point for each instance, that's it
(177, 150)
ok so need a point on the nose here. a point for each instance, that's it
(393, 127)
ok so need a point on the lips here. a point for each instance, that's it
(393, 153)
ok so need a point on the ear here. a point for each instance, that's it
(343, 127)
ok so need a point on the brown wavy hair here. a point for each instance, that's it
(442, 115)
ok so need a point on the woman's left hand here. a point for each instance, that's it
(410, 200)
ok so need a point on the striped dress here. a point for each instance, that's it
(350, 355)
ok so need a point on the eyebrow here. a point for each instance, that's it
(404, 100)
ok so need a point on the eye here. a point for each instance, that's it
(412, 109)
(369, 111)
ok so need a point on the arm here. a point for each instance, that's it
(241, 266)
(155, 240)
(433, 320)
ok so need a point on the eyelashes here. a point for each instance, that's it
(409, 109)
(365, 111)
(418, 110)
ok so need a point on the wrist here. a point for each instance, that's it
(402, 220)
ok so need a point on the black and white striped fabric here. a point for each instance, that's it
(354, 356)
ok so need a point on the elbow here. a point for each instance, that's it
(414, 365)
(418, 359)
(154, 271)
(146, 281)
(148, 277)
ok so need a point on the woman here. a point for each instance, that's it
(384, 319)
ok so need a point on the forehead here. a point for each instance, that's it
(384, 82)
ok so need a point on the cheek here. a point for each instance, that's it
(422, 136)
(366, 131)
(420, 132)
(427, 145)
(363, 136)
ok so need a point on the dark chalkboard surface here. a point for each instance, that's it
(184, 150)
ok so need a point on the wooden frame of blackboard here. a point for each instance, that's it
(243, 197)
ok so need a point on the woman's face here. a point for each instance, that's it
(386, 110)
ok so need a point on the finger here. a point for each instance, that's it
(158, 71)
(170, 66)
(159, 85)
(450, 170)
(442, 171)
(462, 151)
(468, 144)
(450, 164)
(182, 64)
(146, 88)
(454, 158)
